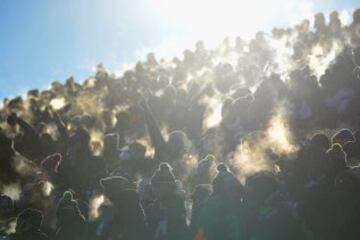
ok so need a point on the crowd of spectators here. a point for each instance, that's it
(150, 154)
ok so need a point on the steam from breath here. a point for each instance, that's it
(283, 52)
(149, 149)
(11, 227)
(12, 190)
(189, 167)
(57, 103)
(279, 135)
(25, 167)
(52, 130)
(96, 139)
(47, 188)
(253, 153)
(213, 114)
(89, 103)
(95, 204)
(321, 56)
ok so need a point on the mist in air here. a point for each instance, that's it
(179, 119)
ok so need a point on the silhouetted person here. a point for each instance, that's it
(70, 221)
(28, 225)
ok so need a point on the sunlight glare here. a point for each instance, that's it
(215, 18)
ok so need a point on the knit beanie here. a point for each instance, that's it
(163, 175)
(342, 136)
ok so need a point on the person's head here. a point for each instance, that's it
(356, 16)
(6, 207)
(169, 93)
(132, 153)
(67, 196)
(33, 93)
(334, 16)
(222, 168)
(6, 149)
(15, 103)
(226, 184)
(28, 220)
(176, 144)
(261, 186)
(336, 160)
(47, 141)
(163, 181)
(188, 56)
(79, 141)
(111, 143)
(114, 185)
(76, 121)
(240, 106)
(319, 23)
(342, 136)
(320, 141)
(11, 119)
(87, 121)
(205, 165)
(151, 59)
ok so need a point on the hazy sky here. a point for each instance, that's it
(46, 40)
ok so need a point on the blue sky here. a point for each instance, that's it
(46, 40)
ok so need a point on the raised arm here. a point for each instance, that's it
(156, 137)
